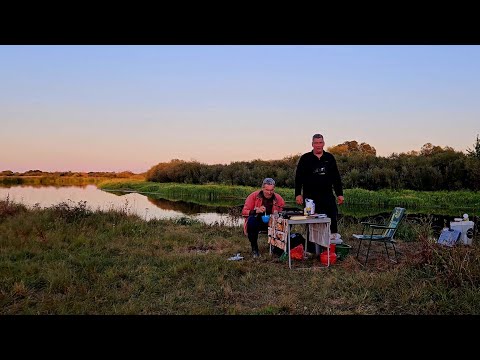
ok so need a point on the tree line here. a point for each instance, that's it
(91, 174)
(433, 168)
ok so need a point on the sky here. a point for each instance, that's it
(118, 108)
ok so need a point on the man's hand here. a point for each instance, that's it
(260, 209)
(340, 200)
(299, 199)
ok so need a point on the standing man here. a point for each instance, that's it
(317, 173)
(260, 202)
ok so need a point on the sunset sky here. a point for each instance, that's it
(116, 108)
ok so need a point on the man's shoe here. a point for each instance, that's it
(255, 253)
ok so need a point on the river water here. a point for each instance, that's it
(96, 199)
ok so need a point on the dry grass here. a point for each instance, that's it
(65, 260)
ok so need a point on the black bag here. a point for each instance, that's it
(295, 240)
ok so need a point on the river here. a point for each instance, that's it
(96, 199)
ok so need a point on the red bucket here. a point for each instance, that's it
(333, 256)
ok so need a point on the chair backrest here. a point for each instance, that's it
(397, 216)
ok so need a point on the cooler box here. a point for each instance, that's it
(466, 231)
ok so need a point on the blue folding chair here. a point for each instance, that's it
(381, 232)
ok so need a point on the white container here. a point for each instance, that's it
(336, 241)
(466, 231)
(309, 207)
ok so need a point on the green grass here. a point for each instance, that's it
(206, 192)
(435, 200)
(70, 260)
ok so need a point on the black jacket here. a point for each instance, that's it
(317, 176)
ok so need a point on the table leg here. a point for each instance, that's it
(306, 241)
(328, 253)
(268, 239)
(288, 246)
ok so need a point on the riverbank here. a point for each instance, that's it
(462, 200)
(69, 260)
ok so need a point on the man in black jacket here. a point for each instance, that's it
(317, 173)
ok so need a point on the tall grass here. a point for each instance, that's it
(211, 193)
(458, 266)
(9, 208)
(381, 198)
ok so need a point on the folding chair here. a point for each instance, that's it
(381, 233)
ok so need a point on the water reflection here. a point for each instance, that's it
(186, 207)
(134, 203)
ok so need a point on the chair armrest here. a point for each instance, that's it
(381, 227)
(369, 223)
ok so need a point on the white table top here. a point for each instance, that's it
(308, 220)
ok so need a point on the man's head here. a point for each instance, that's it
(268, 187)
(318, 143)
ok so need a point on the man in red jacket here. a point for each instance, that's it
(259, 203)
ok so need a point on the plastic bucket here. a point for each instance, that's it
(324, 258)
(342, 250)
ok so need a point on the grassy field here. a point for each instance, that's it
(69, 260)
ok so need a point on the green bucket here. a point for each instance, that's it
(342, 251)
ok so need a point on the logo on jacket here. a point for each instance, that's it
(320, 171)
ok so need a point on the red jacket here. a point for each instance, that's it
(255, 200)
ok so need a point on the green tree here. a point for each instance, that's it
(475, 152)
